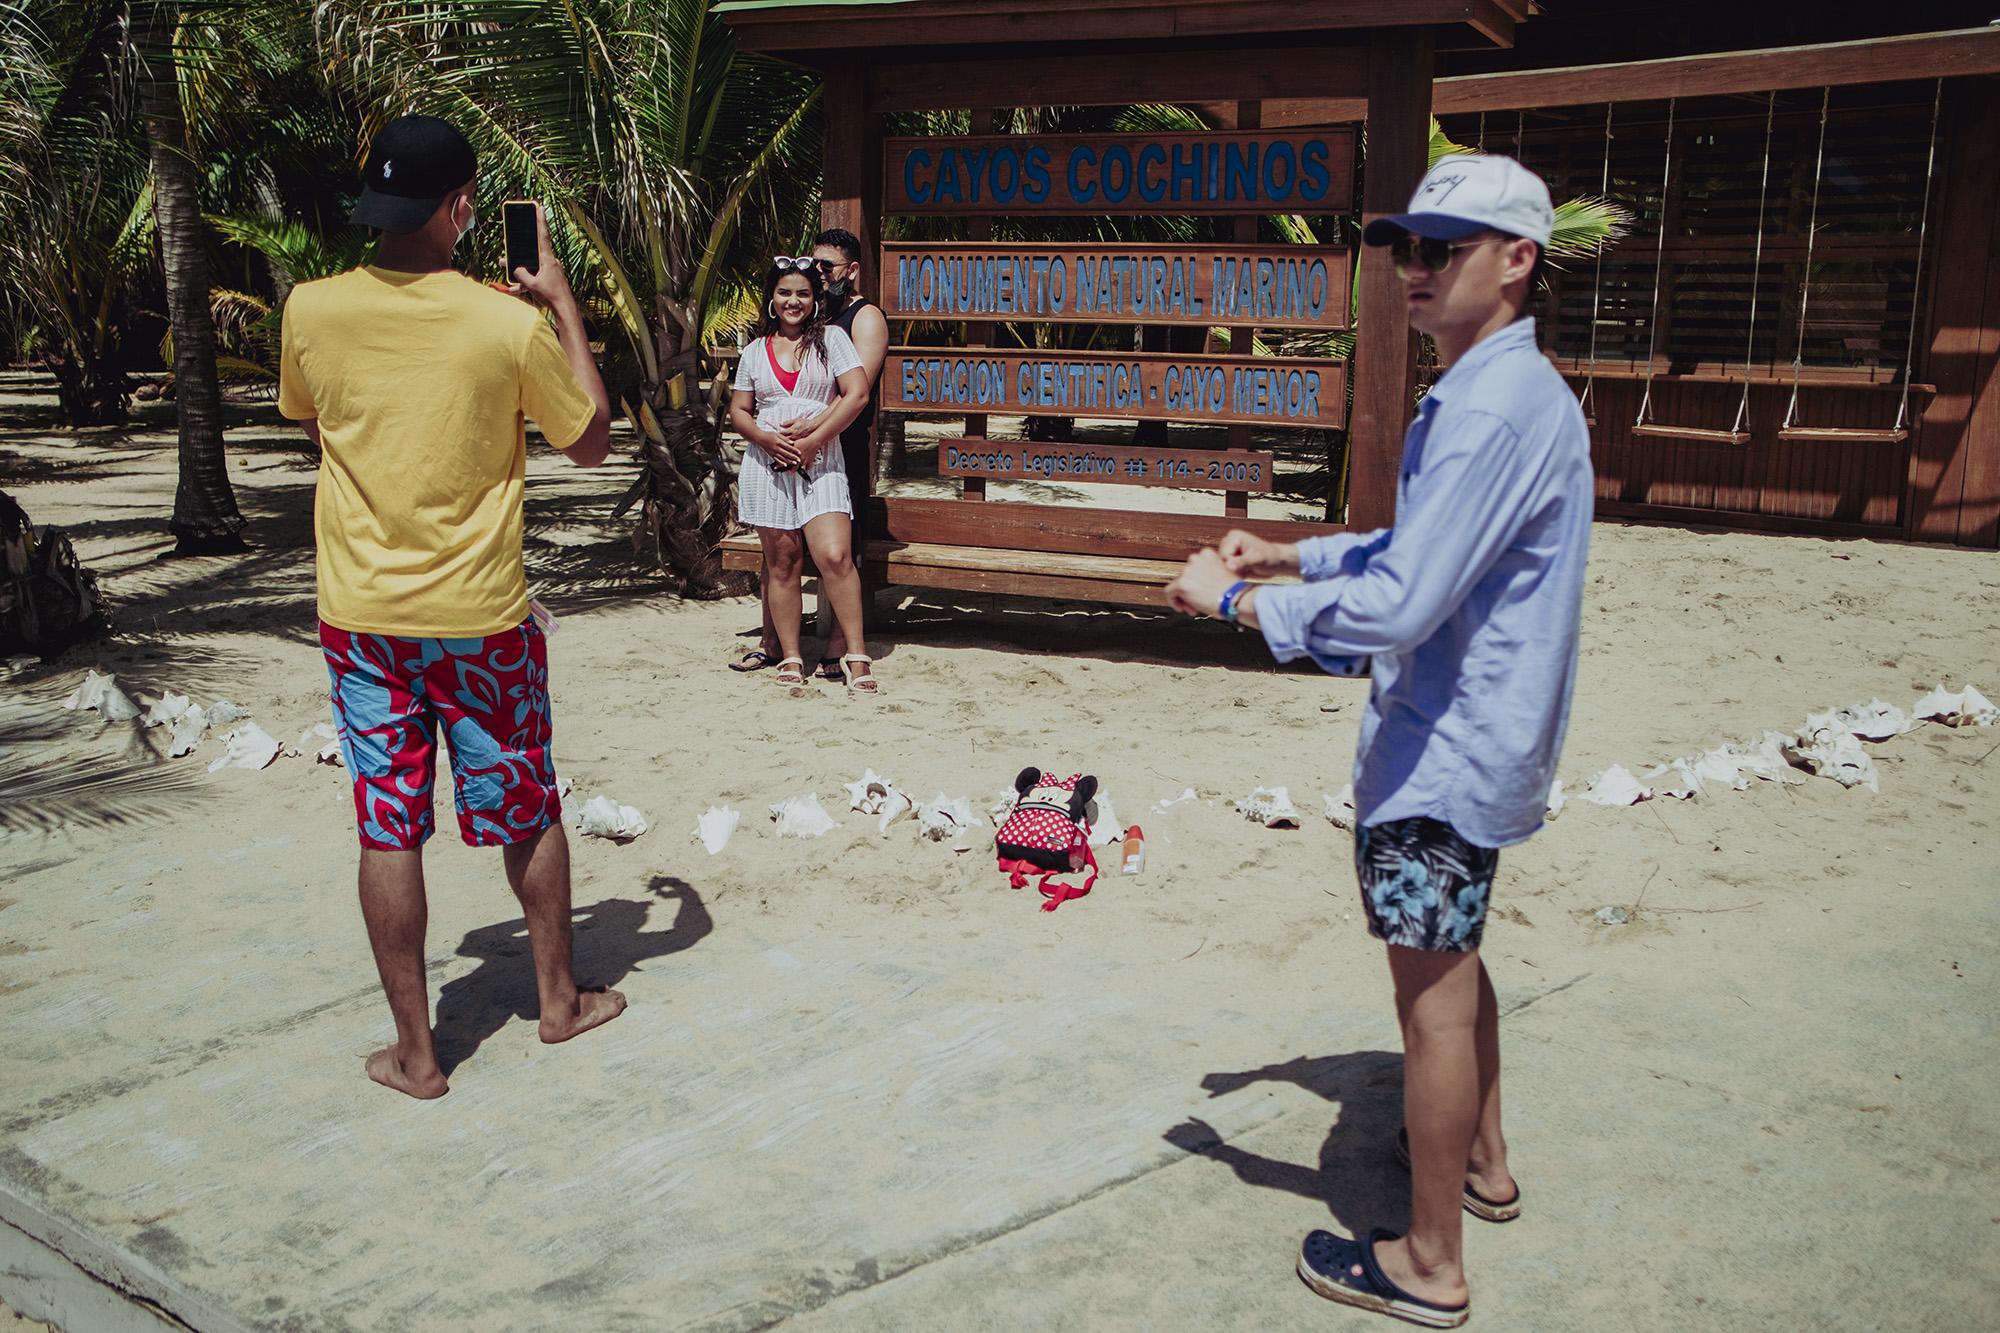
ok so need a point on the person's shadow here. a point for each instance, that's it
(610, 940)
(1357, 1177)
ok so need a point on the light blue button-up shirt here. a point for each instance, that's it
(1468, 606)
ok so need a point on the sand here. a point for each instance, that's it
(863, 1084)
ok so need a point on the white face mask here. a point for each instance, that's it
(471, 221)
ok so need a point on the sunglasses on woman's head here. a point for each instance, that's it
(786, 263)
(1435, 256)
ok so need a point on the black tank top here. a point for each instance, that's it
(844, 321)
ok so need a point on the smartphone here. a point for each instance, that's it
(524, 242)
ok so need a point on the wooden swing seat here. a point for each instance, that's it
(1696, 433)
(1845, 434)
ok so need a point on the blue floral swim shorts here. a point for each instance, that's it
(1422, 885)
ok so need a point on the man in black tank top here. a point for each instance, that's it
(838, 252)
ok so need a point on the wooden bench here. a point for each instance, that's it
(1071, 552)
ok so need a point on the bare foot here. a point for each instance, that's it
(594, 1008)
(387, 1069)
(1440, 1285)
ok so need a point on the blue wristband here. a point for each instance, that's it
(1227, 608)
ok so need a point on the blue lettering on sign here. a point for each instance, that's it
(1279, 185)
(917, 161)
(1116, 178)
(1035, 176)
(1150, 190)
(1239, 168)
(949, 189)
(1187, 172)
(1080, 157)
(1314, 179)
(1003, 193)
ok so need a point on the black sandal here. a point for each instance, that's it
(829, 669)
(754, 660)
(1481, 1207)
(1345, 1271)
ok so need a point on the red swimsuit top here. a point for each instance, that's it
(788, 380)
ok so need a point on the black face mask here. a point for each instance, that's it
(839, 290)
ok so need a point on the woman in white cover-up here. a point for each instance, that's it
(798, 385)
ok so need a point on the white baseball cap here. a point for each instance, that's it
(1472, 193)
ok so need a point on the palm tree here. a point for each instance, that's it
(205, 519)
(670, 164)
(75, 208)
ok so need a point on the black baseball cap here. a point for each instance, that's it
(412, 165)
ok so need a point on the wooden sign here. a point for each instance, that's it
(1124, 465)
(1048, 382)
(1292, 287)
(1249, 171)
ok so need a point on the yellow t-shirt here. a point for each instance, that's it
(420, 382)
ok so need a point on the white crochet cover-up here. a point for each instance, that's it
(791, 499)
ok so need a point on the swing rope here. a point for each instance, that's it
(1917, 279)
(1659, 262)
(1805, 282)
(1756, 269)
(1597, 282)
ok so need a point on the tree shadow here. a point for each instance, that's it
(610, 943)
(1357, 1177)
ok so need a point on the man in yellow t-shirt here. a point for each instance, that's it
(414, 380)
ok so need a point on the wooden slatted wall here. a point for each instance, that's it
(1858, 326)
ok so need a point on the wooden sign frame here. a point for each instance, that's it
(1106, 464)
(1082, 282)
(1222, 172)
(1164, 386)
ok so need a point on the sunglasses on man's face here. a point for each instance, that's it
(1434, 256)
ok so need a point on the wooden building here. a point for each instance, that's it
(1800, 333)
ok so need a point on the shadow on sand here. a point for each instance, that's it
(610, 942)
(1357, 1177)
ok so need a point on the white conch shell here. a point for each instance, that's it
(943, 817)
(1874, 720)
(1767, 760)
(101, 692)
(1104, 825)
(802, 816)
(1957, 708)
(1828, 748)
(896, 806)
(602, 817)
(166, 709)
(187, 732)
(1340, 809)
(249, 746)
(714, 827)
(870, 793)
(222, 712)
(1557, 800)
(324, 742)
(1271, 807)
(1719, 767)
(1676, 778)
(1615, 786)
(1003, 805)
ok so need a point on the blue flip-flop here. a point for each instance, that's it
(1345, 1270)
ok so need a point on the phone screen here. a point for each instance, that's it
(524, 247)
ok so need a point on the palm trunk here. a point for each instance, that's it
(689, 487)
(205, 519)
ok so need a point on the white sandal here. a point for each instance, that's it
(792, 674)
(866, 684)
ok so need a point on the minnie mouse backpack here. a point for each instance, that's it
(1047, 834)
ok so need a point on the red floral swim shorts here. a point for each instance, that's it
(492, 697)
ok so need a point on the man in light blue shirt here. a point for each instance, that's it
(1467, 610)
